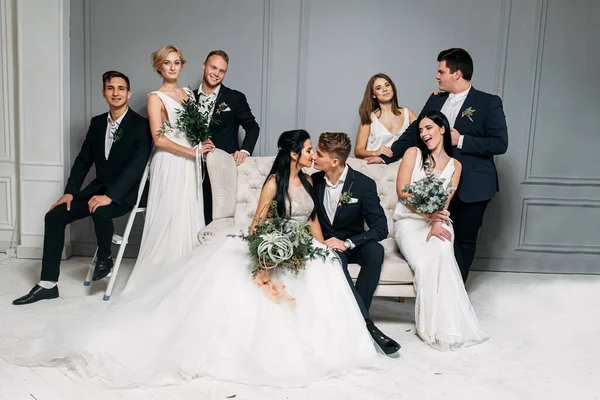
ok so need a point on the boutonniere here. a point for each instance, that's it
(118, 134)
(346, 198)
(222, 108)
(468, 113)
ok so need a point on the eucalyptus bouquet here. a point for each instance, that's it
(430, 194)
(195, 123)
(281, 243)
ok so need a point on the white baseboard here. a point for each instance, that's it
(36, 253)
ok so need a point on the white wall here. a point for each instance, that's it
(8, 156)
(305, 63)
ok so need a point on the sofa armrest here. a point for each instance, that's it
(223, 181)
(210, 231)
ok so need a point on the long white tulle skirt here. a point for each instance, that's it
(204, 317)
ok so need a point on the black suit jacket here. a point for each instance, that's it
(224, 130)
(349, 220)
(118, 176)
(485, 136)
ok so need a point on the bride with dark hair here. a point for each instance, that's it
(206, 317)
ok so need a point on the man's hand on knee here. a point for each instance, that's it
(98, 201)
(64, 199)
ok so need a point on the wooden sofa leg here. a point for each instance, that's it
(401, 299)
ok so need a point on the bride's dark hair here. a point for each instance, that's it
(441, 121)
(288, 142)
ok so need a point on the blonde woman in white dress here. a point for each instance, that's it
(382, 121)
(174, 213)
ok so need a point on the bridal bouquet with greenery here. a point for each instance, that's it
(281, 243)
(430, 194)
(193, 121)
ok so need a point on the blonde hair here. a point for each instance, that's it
(162, 53)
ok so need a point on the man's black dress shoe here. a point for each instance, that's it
(387, 344)
(36, 294)
(102, 269)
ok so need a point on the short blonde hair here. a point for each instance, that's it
(161, 54)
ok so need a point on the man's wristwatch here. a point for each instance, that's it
(348, 244)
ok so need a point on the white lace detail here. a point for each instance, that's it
(302, 204)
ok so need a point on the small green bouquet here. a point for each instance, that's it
(430, 194)
(193, 121)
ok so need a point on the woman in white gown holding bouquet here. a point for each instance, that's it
(444, 316)
(174, 213)
(208, 317)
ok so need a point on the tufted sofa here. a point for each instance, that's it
(235, 197)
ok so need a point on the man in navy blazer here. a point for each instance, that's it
(479, 133)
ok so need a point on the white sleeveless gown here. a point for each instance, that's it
(206, 318)
(379, 135)
(174, 213)
(444, 316)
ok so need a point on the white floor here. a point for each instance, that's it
(545, 345)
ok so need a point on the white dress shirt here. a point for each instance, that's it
(333, 193)
(452, 106)
(111, 128)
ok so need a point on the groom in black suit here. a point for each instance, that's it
(478, 132)
(118, 143)
(346, 200)
(230, 110)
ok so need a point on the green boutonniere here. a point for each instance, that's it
(118, 134)
(221, 107)
(468, 113)
(346, 198)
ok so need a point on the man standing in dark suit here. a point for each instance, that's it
(479, 133)
(230, 110)
(346, 200)
(118, 143)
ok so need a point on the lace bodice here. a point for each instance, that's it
(302, 204)
(171, 105)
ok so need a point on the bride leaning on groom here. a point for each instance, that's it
(214, 322)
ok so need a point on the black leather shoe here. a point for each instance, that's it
(36, 294)
(387, 344)
(102, 269)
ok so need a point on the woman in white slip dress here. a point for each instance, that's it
(208, 318)
(174, 213)
(382, 122)
(444, 316)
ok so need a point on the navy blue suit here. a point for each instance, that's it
(349, 223)
(485, 135)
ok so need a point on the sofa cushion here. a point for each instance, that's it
(236, 192)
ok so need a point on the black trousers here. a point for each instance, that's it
(370, 258)
(467, 219)
(56, 222)
(207, 196)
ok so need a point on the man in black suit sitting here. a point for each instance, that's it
(229, 110)
(346, 200)
(479, 133)
(118, 143)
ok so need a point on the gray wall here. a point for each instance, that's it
(305, 63)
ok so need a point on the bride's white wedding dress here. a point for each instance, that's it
(444, 316)
(205, 317)
(174, 212)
